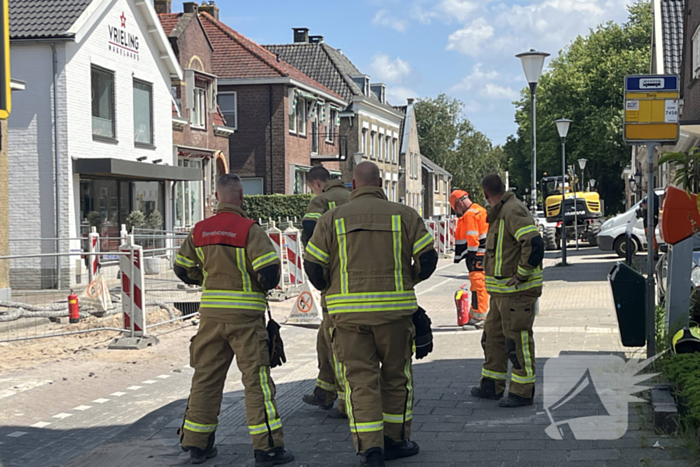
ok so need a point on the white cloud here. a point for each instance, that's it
(446, 11)
(469, 39)
(389, 71)
(496, 91)
(476, 78)
(384, 18)
(397, 95)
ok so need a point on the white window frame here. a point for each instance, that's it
(696, 54)
(199, 108)
(330, 126)
(233, 124)
(380, 147)
(372, 143)
(301, 116)
(393, 156)
(293, 119)
(436, 183)
(364, 141)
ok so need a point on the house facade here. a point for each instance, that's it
(411, 167)
(93, 141)
(370, 126)
(437, 186)
(200, 131)
(285, 121)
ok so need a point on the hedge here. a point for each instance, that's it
(276, 206)
(683, 371)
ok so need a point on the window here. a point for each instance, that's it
(330, 126)
(380, 146)
(387, 148)
(393, 192)
(695, 45)
(293, 119)
(143, 113)
(436, 184)
(188, 197)
(301, 116)
(386, 190)
(198, 119)
(372, 139)
(394, 148)
(364, 141)
(102, 103)
(228, 103)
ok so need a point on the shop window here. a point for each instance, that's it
(199, 109)
(143, 113)
(228, 103)
(102, 103)
(188, 198)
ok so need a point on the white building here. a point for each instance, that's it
(93, 139)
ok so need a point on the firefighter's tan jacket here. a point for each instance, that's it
(370, 250)
(334, 194)
(514, 247)
(225, 253)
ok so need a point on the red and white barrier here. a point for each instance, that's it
(280, 292)
(133, 290)
(432, 228)
(93, 259)
(292, 242)
(443, 237)
(453, 228)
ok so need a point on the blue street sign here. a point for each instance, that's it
(651, 83)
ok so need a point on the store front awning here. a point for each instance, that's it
(119, 168)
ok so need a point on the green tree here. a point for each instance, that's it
(585, 83)
(449, 139)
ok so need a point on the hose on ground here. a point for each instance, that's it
(15, 310)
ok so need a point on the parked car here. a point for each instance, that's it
(542, 223)
(612, 233)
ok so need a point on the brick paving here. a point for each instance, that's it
(136, 425)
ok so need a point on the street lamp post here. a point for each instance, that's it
(563, 129)
(533, 62)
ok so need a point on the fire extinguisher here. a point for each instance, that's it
(73, 308)
(463, 303)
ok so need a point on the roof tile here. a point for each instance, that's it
(672, 12)
(35, 19)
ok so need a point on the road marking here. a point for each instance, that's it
(17, 434)
(82, 408)
(134, 388)
(117, 394)
(41, 425)
(16, 386)
(149, 381)
(100, 401)
(61, 416)
(186, 367)
(163, 376)
(434, 287)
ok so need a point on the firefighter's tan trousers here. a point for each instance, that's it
(211, 353)
(378, 380)
(508, 336)
(330, 374)
(480, 297)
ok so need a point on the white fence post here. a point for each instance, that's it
(93, 259)
(275, 234)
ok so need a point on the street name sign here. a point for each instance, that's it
(651, 109)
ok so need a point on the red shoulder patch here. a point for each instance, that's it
(226, 228)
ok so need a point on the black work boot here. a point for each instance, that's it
(200, 456)
(337, 414)
(398, 449)
(317, 398)
(276, 456)
(514, 400)
(487, 390)
(372, 458)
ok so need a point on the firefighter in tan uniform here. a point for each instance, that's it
(513, 267)
(233, 260)
(470, 244)
(329, 384)
(367, 256)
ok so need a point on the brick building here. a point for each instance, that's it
(92, 141)
(436, 189)
(200, 132)
(410, 171)
(285, 121)
(369, 124)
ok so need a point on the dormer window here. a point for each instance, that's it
(362, 82)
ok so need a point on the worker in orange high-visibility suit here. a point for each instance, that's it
(470, 244)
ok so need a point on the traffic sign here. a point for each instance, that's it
(651, 109)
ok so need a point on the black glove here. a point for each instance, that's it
(424, 336)
(277, 356)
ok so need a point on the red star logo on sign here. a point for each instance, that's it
(123, 18)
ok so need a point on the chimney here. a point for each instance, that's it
(189, 7)
(316, 39)
(410, 100)
(301, 35)
(163, 6)
(211, 8)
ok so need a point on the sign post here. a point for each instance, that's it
(651, 118)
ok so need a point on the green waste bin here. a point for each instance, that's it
(629, 293)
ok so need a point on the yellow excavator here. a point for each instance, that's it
(579, 206)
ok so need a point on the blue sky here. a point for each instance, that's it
(420, 48)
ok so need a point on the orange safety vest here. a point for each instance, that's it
(470, 236)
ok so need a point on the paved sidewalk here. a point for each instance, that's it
(136, 426)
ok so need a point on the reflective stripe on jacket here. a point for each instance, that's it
(514, 248)
(470, 234)
(334, 194)
(370, 250)
(227, 251)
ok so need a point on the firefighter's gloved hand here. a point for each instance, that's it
(277, 356)
(424, 335)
